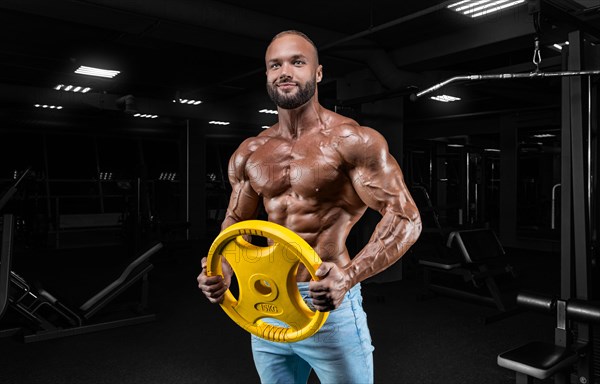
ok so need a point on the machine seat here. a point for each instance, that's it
(537, 359)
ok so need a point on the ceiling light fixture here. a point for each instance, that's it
(187, 101)
(218, 122)
(543, 135)
(99, 72)
(445, 98)
(72, 88)
(145, 115)
(167, 176)
(270, 111)
(559, 46)
(476, 8)
(48, 106)
(105, 176)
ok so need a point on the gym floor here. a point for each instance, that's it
(438, 340)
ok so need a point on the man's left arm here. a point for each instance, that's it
(378, 180)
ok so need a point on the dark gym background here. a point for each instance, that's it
(103, 185)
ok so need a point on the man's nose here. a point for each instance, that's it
(285, 71)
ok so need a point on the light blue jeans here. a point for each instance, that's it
(340, 352)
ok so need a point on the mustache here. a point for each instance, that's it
(285, 80)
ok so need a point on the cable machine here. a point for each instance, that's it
(573, 357)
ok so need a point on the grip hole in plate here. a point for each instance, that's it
(263, 287)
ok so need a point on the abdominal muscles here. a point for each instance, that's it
(324, 225)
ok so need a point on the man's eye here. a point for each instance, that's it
(298, 62)
(274, 66)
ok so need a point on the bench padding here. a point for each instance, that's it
(537, 359)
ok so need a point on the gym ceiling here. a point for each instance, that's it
(213, 51)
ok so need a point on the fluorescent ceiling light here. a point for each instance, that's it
(99, 72)
(559, 46)
(445, 98)
(72, 88)
(491, 150)
(105, 176)
(455, 145)
(270, 111)
(543, 135)
(48, 106)
(265, 127)
(218, 122)
(145, 115)
(476, 8)
(167, 176)
(498, 8)
(187, 101)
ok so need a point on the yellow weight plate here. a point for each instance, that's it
(266, 279)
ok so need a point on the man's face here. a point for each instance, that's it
(292, 71)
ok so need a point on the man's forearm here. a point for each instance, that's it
(228, 221)
(243, 205)
(391, 239)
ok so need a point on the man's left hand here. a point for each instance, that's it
(327, 293)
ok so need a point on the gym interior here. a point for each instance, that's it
(113, 188)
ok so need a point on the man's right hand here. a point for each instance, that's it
(214, 287)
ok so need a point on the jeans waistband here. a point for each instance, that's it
(303, 289)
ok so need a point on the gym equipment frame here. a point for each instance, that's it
(479, 249)
(48, 318)
(575, 349)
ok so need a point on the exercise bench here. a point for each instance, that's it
(477, 256)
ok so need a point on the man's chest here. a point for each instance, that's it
(308, 168)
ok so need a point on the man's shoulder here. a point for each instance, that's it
(351, 133)
(355, 142)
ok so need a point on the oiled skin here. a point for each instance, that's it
(316, 172)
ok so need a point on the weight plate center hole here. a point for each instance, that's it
(263, 287)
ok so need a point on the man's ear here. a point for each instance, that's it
(319, 73)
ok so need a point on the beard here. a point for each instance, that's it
(287, 101)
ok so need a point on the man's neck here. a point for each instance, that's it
(300, 121)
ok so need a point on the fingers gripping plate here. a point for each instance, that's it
(267, 280)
